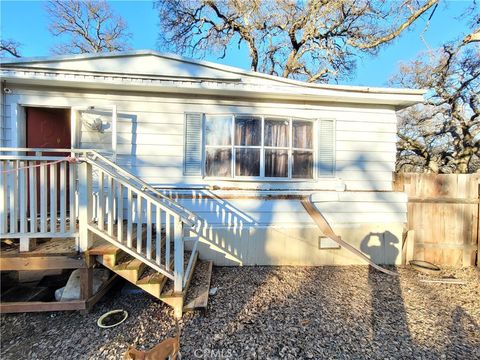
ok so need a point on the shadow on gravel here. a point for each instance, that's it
(463, 334)
(269, 312)
(389, 322)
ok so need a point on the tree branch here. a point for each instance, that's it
(392, 35)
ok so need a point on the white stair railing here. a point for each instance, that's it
(127, 212)
(131, 219)
(168, 201)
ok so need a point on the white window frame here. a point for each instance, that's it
(262, 148)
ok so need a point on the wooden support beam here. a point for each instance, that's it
(39, 306)
(410, 244)
(103, 290)
(41, 263)
(175, 300)
(86, 283)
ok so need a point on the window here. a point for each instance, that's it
(218, 154)
(302, 159)
(260, 147)
(277, 136)
(248, 145)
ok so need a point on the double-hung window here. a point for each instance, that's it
(259, 147)
(218, 146)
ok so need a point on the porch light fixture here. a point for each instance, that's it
(92, 122)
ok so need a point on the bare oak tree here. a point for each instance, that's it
(89, 26)
(315, 41)
(443, 134)
(9, 47)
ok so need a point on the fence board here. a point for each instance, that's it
(443, 210)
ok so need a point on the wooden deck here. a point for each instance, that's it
(55, 253)
(45, 247)
(49, 254)
(109, 213)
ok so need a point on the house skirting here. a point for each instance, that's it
(300, 245)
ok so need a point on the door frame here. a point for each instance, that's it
(19, 123)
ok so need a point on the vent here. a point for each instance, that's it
(327, 243)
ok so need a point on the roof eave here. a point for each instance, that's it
(396, 100)
(226, 68)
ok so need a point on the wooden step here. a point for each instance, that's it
(130, 270)
(169, 296)
(103, 249)
(197, 295)
(108, 254)
(153, 284)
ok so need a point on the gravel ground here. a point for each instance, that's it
(276, 313)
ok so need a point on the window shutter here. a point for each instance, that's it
(193, 144)
(326, 147)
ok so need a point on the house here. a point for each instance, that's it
(212, 158)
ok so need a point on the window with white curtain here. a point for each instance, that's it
(263, 147)
(218, 146)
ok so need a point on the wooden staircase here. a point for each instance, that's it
(141, 275)
(143, 232)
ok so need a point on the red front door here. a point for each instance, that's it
(48, 128)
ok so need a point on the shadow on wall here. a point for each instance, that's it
(380, 247)
(225, 227)
(230, 230)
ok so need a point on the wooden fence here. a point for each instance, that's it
(443, 211)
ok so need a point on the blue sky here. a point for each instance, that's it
(27, 23)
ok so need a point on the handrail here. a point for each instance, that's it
(188, 217)
(108, 223)
(127, 185)
(144, 186)
(15, 149)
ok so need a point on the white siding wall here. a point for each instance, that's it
(255, 230)
(261, 231)
(150, 136)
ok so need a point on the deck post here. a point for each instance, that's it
(86, 285)
(178, 255)
(27, 244)
(84, 205)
